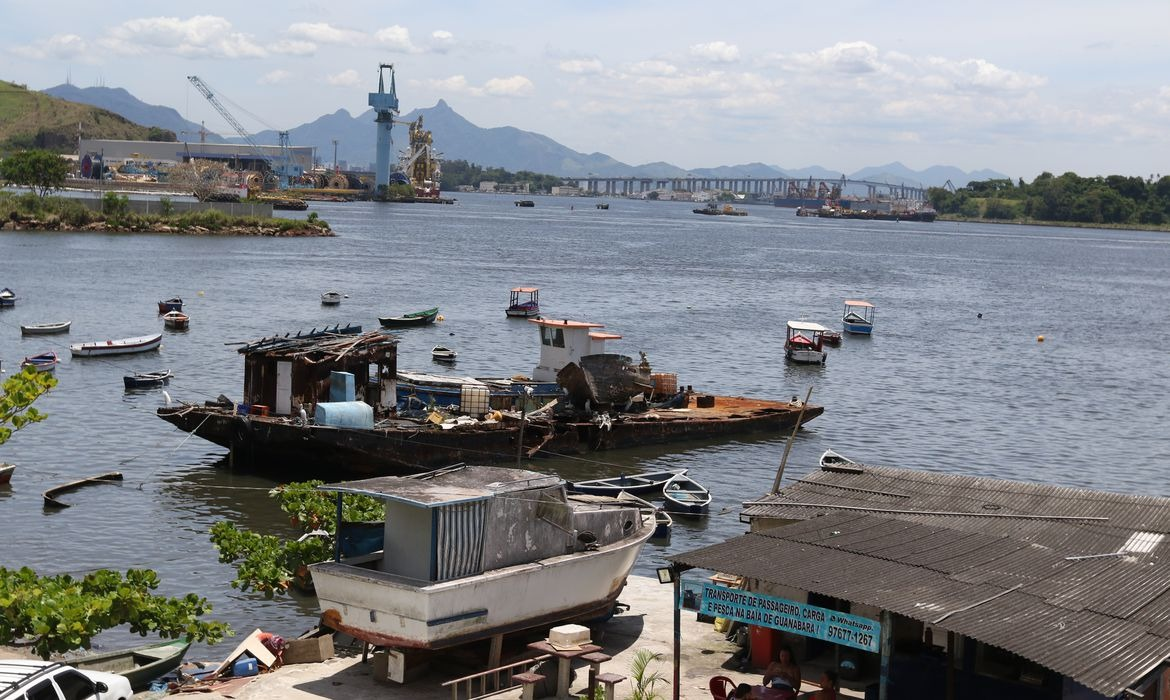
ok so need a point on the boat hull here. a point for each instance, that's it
(681, 508)
(6, 473)
(522, 311)
(139, 665)
(407, 321)
(857, 328)
(806, 357)
(116, 347)
(387, 610)
(45, 328)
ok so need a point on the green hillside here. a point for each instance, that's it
(31, 119)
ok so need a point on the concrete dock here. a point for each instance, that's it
(648, 624)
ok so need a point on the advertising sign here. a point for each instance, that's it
(790, 616)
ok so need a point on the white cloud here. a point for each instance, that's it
(979, 74)
(654, 67)
(275, 77)
(325, 33)
(442, 41)
(293, 47)
(395, 38)
(202, 36)
(346, 78)
(515, 86)
(62, 46)
(851, 57)
(581, 66)
(717, 51)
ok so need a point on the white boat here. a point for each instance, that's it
(834, 460)
(441, 353)
(524, 302)
(45, 328)
(472, 552)
(858, 317)
(331, 298)
(7, 298)
(125, 346)
(805, 342)
(685, 496)
(176, 320)
(45, 362)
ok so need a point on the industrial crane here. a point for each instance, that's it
(286, 170)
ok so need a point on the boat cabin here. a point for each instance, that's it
(563, 341)
(524, 302)
(805, 342)
(858, 316)
(290, 373)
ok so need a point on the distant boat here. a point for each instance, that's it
(685, 496)
(7, 298)
(831, 337)
(172, 304)
(858, 317)
(441, 353)
(45, 362)
(125, 346)
(416, 318)
(524, 302)
(525, 203)
(603, 205)
(45, 328)
(804, 343)
(713, 209)
(139, 665)
(6, 473)
(176, 320)
(646, 483)
(147, 380)
(331, 298)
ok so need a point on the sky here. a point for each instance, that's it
(1015, 87)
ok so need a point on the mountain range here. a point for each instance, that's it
(504, 147)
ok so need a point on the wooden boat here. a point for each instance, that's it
(45, 362)
(646, 483)
(139, 665)
(804, 342)
(7, 298)
(331, 298)
(50, 496)
(416, 318)
(147, 380)
(524, 302)
(834, 460)
(125, 346)
(685, 496)
(172, 304)
(831, 337)
(176, 320)
(45, 328)
(858, 317)
(6, 473)
(461, 577)
(441, 353)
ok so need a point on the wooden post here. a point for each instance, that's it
(520, 439)
(950, 665)
(677, 589)
(337, 533)
(494, 652)
(791, 439)
(887, 649)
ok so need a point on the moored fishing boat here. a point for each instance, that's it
(858, 317)
(830, 459)
(415, 318)
(7, 298)
(804, 344)
(645, 484)
(45, 328)
(442, 353)
(6, 473)
(501, 550)
(172, 304)
(124, 346)
(44, 362)
(147, 380)
(139, 665)
(176, 320)
(524, 302)
(331, 298)
(685, 496)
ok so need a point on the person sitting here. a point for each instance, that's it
(829, 686)
(743, 691)
(784, 663)
(781, 688)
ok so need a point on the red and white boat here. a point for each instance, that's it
(804, 343)
(125, 346)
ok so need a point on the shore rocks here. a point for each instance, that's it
(54, 223)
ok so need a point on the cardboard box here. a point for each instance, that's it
(308, 651)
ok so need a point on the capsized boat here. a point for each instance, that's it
(644, 484)
(45, 328)
(804, 342)
(415, 318)
(139, 665)
(124, 346)
(685, 496)
(472, 552)
(858, 317)
(524, 302)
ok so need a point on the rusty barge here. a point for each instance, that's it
(324, 403)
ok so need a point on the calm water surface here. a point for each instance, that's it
(707, 297)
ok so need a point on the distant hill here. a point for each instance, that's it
(121, 102)
(31, 119)
(503, 147)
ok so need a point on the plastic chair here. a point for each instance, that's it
(721, 687)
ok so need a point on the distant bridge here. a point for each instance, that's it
(759, 186)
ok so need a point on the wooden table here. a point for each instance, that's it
(564, 661)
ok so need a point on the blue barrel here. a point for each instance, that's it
(345, 414)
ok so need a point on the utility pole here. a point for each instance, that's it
(335, 155)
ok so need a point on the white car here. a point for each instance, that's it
(24, 679)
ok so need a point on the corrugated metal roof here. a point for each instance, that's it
(447, 486)
(990, 559)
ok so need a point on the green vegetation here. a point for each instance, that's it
(41, 170)
(642, 678)
(31, 119)
(1115, 200)
(56, 614)
(460, 172)
(62, 213)
(269, 564)
(20, 391)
